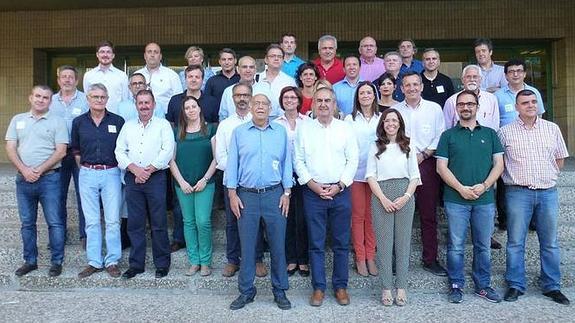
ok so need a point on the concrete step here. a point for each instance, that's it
(418, 280)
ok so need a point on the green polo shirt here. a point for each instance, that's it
(470, 159)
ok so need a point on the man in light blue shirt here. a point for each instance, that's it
(345, 89)
(291, 61)
(69, 103)
(127, 108)
(259, 178)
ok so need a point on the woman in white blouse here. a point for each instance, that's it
(393, 175)
(364, 119)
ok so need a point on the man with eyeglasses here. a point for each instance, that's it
(114, 79)
(127, 109)
(259, 181)
(488, 110)
(273, 80)
(469, 160)
(371, 65)
(69, 103)
(515, 72)
(93, 142)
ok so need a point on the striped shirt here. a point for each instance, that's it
(531, 154)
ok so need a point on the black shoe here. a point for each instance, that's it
(282, 301)
(557, 297)
(304, 272)
(290, 272)
(26, 268)
(55, 271)
(435, 268)
(502, 226)
(162, 272)
(131, 273)
(495, 244)
(532, 226)
(512, 294)
(241, 301)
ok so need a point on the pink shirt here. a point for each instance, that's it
(371, 71)
(530, 154)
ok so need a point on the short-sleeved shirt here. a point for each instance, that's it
(96, 143)
(194, 154)
(334, 73)
(437, 90)
(469, 156)
(37, 138)
(69, 111)
(506, 101)
(290, 67)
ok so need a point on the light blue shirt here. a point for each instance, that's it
(127, 110)
(345, 94)
(77, 106)
(259, 158)
(506, 101)
(290, 67)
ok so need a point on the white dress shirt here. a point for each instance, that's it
(365, 134)
(423, 124)
(487, 112)
(224, 136)
(392, 163)
(116, 82)
(326, 154)
(164, 83)
(292, 132)
(273, 89)
(152, 144)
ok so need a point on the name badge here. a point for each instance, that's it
(440, 89)
(509, 108)
(111, 128)
(20, 125)
(275, 165)
(76, 111)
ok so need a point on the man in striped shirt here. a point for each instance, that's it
(534, 154)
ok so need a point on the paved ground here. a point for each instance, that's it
(184, 306)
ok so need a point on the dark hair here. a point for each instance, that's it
(137, 74)
(410, 73)
(306, 66)
(408, 40)
(286, 35)
(352, 56)
(43, 87)
(514, 62)
(228, 51)
(274, 46)
(297, 93)
(105, 43)
(357, 107)
(243, 83)
(183, 119)
(67, 67)
(401, 139)
(383, 77)
(524, 93)
(469, 92)
(193, 68)
(483, 41)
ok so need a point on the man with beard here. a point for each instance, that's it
(469, 160)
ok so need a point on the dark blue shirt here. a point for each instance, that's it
(437, 90)
(218, 83)
(96, 144)
(208, 104)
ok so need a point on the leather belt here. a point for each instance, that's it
(259, 190)
(98, 166)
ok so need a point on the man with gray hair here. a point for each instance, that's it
(93, 142)
(330, 67)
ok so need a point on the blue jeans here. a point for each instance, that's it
(337, 213)
(45, 190)
(107, 185)
(68, 171)
(524, 204)
(481, 218)
(258, 206)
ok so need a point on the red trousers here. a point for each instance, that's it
(362, 235)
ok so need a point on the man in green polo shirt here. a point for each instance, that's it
(469, 160)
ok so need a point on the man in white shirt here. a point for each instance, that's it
(164, 82)
(144, 148)
(273, 80)
(326, 159)
(424, 124)
(242, 93)
(488, 109)
(247, 71)
(115, 80)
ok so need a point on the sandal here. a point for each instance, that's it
(193, 270)
(401, 298)
(386, 298)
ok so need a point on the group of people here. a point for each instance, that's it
(349, 147)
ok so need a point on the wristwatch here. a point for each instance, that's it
(341, 187)
(287, 193)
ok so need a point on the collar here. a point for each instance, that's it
(346, 80)
(111, 68)
(269, 125)
(460, 127)
(44, 116)
(59, 95)
(522, 123)
(409, 107)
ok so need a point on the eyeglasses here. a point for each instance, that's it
(241, 95)
(98, 97)
(464, 104)
(290, 97)
(138, 83)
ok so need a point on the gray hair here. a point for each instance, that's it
(469, 67)
(324, 38)
(97, 86)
